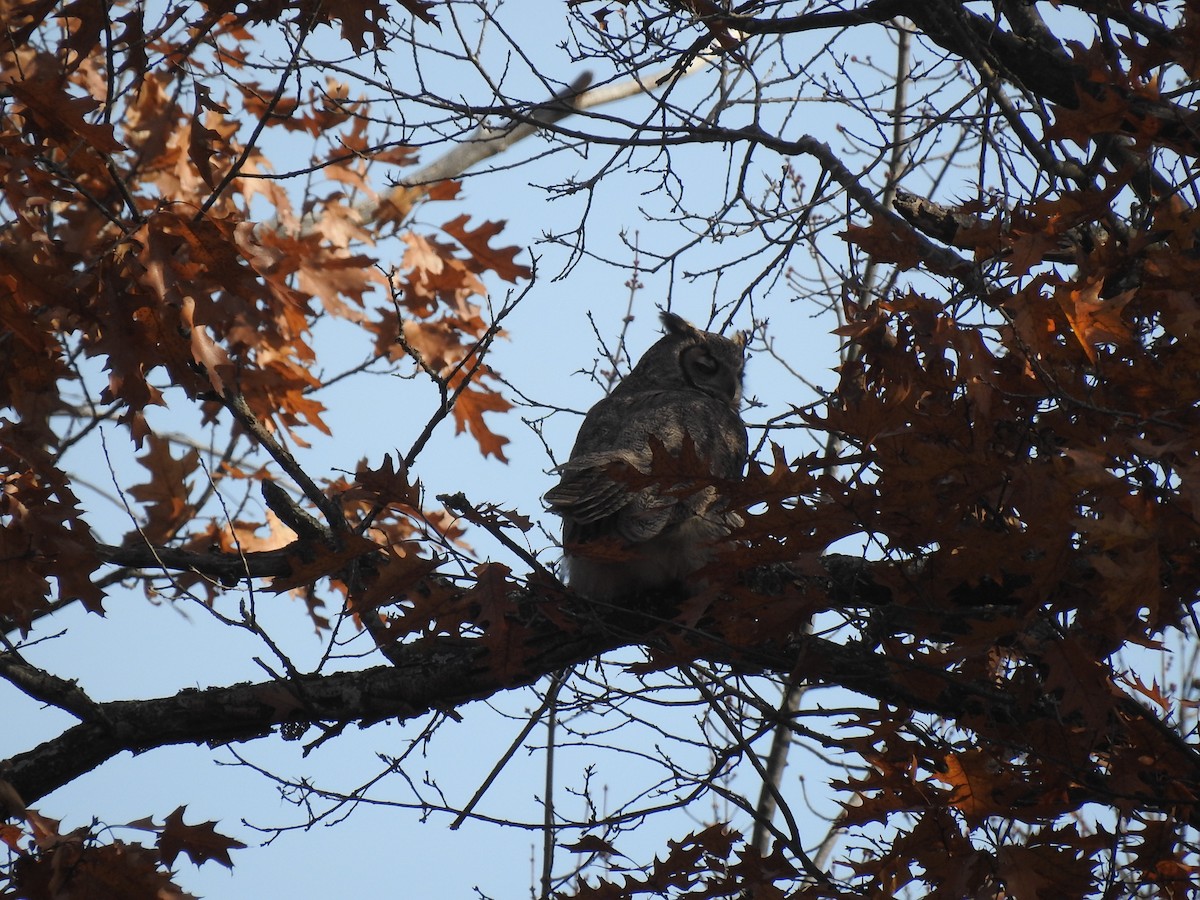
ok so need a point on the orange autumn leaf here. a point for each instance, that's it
(469, 410)
(166, 495)
(483, 256)
(1093, 320)
(972, 777)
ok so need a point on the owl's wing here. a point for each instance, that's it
(585, 491)
(592, 497)
(593, 500)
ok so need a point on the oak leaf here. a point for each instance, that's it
(494, 612)
(205, 351)
(1094, 320)
(385, 485)
(469, 408)
(396, 574)
(242, 537)
(1040, 872)
(76, 868)
(884, 241)
(24, 589)
(200, 842)
(322, 562)
(61, 116)
(1153, 692)
(42, 530)
(975, 778)
(498, 260)
(166, 493)
(1028, 246)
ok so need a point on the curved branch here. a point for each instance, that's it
(441, 673)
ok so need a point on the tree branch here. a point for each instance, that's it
(222, 566)
(441, 672)
(48, 688)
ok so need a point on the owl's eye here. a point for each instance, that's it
(705, 363)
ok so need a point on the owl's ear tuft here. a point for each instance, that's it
(676, 324)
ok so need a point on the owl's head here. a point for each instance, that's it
(688, 358)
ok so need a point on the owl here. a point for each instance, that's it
(630, 526)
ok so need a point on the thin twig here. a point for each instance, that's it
(547, 703)
(548, 830)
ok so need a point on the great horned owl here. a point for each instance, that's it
(629, 526)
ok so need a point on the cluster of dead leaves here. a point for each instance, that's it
(132, 244)
(1036, 489)
(52, 864)
(1036, 481)
(711, 862)
(145, 239)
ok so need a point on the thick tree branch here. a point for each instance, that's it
(436, 674)
(445, 672)
(48, 688)
(874, 12)
(963, 230)
(486, 141)
(228, 568)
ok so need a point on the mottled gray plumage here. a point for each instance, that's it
(622, 535)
